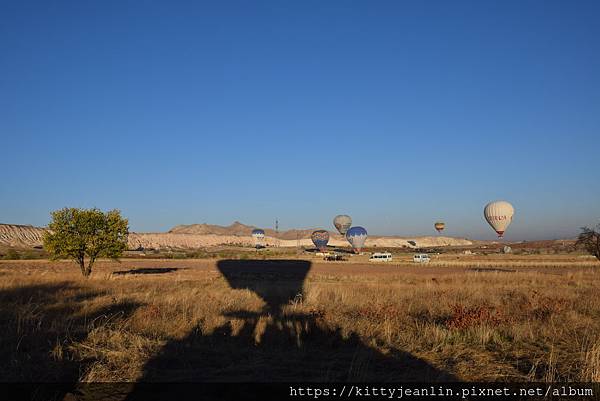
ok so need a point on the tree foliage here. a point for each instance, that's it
(589, 239)
(86, 234)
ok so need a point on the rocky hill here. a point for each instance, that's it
(240, 229)
(174, 240)
(205, 235)
(15, 235)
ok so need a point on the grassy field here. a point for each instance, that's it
(488, 318)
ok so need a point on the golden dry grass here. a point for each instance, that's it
(537, 321)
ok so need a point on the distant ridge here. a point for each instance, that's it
(239, 229)
(202, 235)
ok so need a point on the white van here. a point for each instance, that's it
(381, 257)
(421, 258)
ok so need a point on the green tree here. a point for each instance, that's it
(86, 234)
(589, 239)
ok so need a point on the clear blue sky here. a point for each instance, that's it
(395, 112)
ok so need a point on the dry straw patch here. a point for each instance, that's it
(474, 326)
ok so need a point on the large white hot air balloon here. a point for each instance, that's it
(342, 223)
(499, 215)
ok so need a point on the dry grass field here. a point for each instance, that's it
(463, 317)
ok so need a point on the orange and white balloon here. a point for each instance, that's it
(499, 215)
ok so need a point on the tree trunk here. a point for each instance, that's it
(85, 270)
(89, 266)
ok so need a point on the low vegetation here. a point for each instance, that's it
(213, 253)
(19, 253)
(130, 323)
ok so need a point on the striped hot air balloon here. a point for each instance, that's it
(320, 238)
(356, 236)
(499, 215)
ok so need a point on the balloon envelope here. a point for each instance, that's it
(259, 236)
(356, 236)
(342, 223)
(258, 233)
(320, 238)
(439, 226)
(499, 215)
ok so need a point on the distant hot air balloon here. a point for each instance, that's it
(342, 223)
(320, 238)
(259, 236)
(356, 236)
(499, 215)
(439, 226)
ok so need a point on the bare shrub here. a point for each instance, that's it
(464, 317)
(589, 239)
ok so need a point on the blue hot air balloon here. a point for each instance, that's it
(356, 236)
(258, 233)
(259, 236)
(320, 238)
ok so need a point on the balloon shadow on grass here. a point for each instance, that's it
(276, 345)
(149, 270)
(40, 325)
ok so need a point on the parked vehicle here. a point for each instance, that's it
(381, 257)
(333, 257)
(421, 258)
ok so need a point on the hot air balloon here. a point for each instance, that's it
(342, 223)
(499, 215)
(259, 236)
(320, 238)
(439, 226)
(356, 236)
